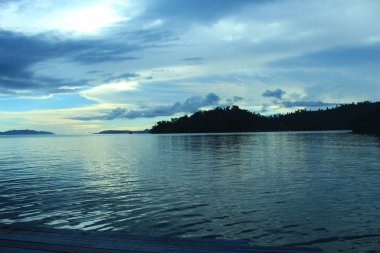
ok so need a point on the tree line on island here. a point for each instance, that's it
(363, 117)
(25, 132)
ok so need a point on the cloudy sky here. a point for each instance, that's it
(77, 67)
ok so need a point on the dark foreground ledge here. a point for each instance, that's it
(16, 239)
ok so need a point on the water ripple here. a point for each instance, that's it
(295, 189)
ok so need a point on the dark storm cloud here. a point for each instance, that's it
(278, 93)
(38, 86)
(19, 52)
(190, 105)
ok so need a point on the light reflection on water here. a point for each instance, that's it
(304, 189)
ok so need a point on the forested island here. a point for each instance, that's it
(363, 117)
(24, 132)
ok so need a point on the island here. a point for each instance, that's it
(362, 117)
(146, 131)
(367, 123)
(25, 132)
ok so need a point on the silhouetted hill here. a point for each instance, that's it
(24, 132)
(124, 132)
(356, 116)
(368, 122)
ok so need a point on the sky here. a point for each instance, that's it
(79, 67)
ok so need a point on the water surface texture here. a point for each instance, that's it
(300, 189)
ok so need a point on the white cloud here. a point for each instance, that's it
(78, 17)
(229, 30)
(89, 19)
(110, 92)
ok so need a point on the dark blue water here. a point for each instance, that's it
(301, 189)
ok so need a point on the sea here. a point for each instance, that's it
(296, 189)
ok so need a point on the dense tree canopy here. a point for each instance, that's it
(359, 117)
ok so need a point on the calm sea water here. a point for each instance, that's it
(306, 189)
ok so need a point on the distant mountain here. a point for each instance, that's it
(24, 132)
(124, 132)
(361, 117)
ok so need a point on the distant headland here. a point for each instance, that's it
(123, 132)
(25, 132)
(363, 117)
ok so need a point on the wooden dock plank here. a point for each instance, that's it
(55, 240)
(19, 250)
(47, 247)
(115, 244)
(113, 236)
(135, 243)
